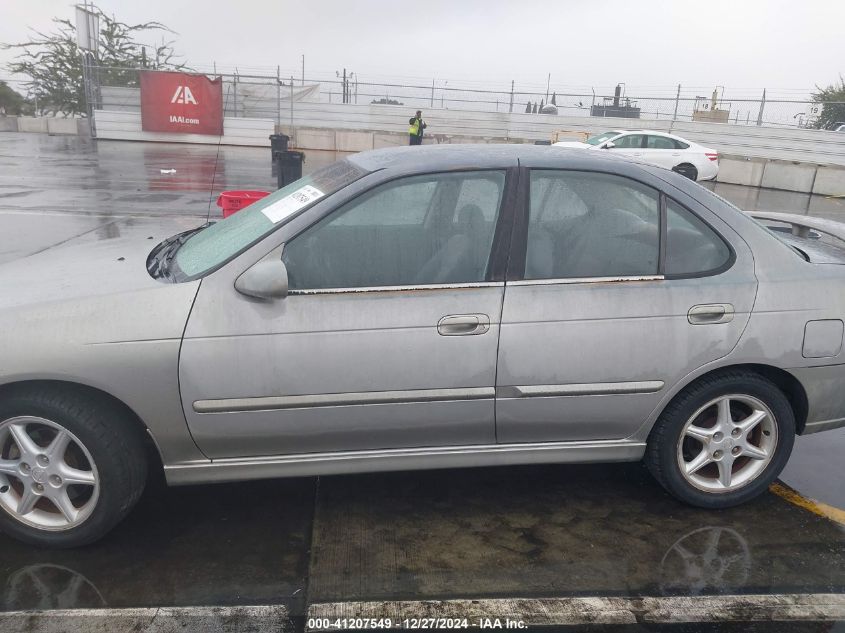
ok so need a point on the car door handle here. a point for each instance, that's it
(710, 313)
(463, 324)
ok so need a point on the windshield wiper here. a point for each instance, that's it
(160, 259)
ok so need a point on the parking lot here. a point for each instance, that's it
(311, 545)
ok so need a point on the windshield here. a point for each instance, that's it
(598, 139)
(213, 246)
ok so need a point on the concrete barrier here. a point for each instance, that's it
(830, 181)
(32, 124)
(789, 176)
(741, 170)
(389, 139)
(307, 138)
(61, 126)
(353, 141)
(45, 125)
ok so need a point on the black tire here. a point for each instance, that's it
(686, 170)
(115, 443)
(662, 451)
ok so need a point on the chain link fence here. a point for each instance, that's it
(261, 94)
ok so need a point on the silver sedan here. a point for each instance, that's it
(417, 308)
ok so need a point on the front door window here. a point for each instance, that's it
(422, 230)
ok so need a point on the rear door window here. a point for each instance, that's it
(660, 142)
(584, 224)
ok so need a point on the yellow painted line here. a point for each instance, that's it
(816, 507)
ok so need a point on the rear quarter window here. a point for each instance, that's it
(692, 247)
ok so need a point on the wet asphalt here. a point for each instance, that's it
(531, 531)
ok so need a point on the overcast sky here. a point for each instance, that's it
(740, 44)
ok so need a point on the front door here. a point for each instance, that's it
(629, 145)
(387, 338)
(599, 320)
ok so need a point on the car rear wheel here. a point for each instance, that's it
(686, 170)
(722, 440)
(71, 466)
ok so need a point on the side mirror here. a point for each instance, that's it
(609, 145)
(264, 280)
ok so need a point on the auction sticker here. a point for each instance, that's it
(292, 203)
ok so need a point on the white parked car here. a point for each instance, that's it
(689, 159)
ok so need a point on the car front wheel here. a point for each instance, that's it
(71, 466)
(722, 440)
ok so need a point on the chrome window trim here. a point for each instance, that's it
(580, 389)
(458, 286)
(585, 280)
(275, 403)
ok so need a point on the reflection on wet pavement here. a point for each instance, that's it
(31, 233)
(41, 173)
(217, 545)
(545, 531)
(555, 531)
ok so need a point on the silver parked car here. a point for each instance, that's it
(419, 308)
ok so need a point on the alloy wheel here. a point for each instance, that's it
(48, 479)
(727, 443)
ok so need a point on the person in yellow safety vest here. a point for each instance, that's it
(417, 125)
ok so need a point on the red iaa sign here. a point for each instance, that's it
(181, 103)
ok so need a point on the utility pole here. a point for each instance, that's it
(548, 81)
(762, 105)
(511, 106)
(234, 93)
(302, 83)
(677, 98)
(432, 93)
(278, 95)
(345, 97)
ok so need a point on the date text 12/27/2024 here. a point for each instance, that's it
(363, 624)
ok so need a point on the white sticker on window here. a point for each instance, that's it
(292, 203)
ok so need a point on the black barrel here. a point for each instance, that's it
(278, 143)
(289, 167)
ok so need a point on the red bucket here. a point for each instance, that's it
(233, 201)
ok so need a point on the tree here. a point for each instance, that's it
(12, 102)
(832, 99)
(528, 108)
(53, 61)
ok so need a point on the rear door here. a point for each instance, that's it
(387, 337)
(661, 151)
(615, 292)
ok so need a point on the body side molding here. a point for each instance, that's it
(426, 458)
